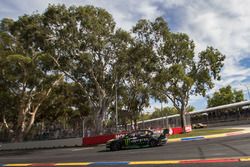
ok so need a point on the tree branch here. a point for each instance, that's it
(173, 101)
(100, 91)
(6, 124)
(75, 80)
(46, 94)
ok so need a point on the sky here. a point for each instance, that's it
(223, 24)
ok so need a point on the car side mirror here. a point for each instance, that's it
(165, 131)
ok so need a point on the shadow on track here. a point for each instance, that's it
(135, 148)
(16, 152)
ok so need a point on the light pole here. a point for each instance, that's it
(247, 90)
(83, 128)
(116, 112)
(248, 93)
(162, 115)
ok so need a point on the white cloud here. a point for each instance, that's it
(223, 24)
(173, 3)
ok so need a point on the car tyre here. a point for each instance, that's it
(153, 143)
(115, 147)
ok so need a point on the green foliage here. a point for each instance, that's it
(133, 81)
(225, 95)
(82, 46)
(166, 111)
(66, 103)
(179, 73)
(22, 74)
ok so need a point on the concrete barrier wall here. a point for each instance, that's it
(231, 123)
(42, 144)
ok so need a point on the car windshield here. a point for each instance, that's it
(140, 133)
(133, 134)
(145, 132)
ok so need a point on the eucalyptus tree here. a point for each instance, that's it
(136, 87)
(182, 74)
(166, 111)
(66, 107)
(141, 61)
(25, 72)
(225, 95)
(66, 101)
(86, 47)
(179, 73)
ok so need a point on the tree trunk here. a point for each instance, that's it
(98, 125)
(24, 124)
(135, 124)
(5, 125)
(100, 118)
(18, 136)
(183, 119)
(19, 130)
(131, 122)
(31, 122)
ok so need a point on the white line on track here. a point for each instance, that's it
(80, 149)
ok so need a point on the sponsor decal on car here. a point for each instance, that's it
(126, 142)
(139, 140)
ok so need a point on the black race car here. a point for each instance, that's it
(135, 139)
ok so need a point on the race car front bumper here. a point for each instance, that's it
(163, 141)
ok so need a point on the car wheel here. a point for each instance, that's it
(153, 143)
(115, 147)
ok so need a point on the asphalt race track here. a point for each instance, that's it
(233, 146)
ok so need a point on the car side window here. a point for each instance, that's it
(144, 133)
(149, 133)
(138, 133)
(131, 135)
